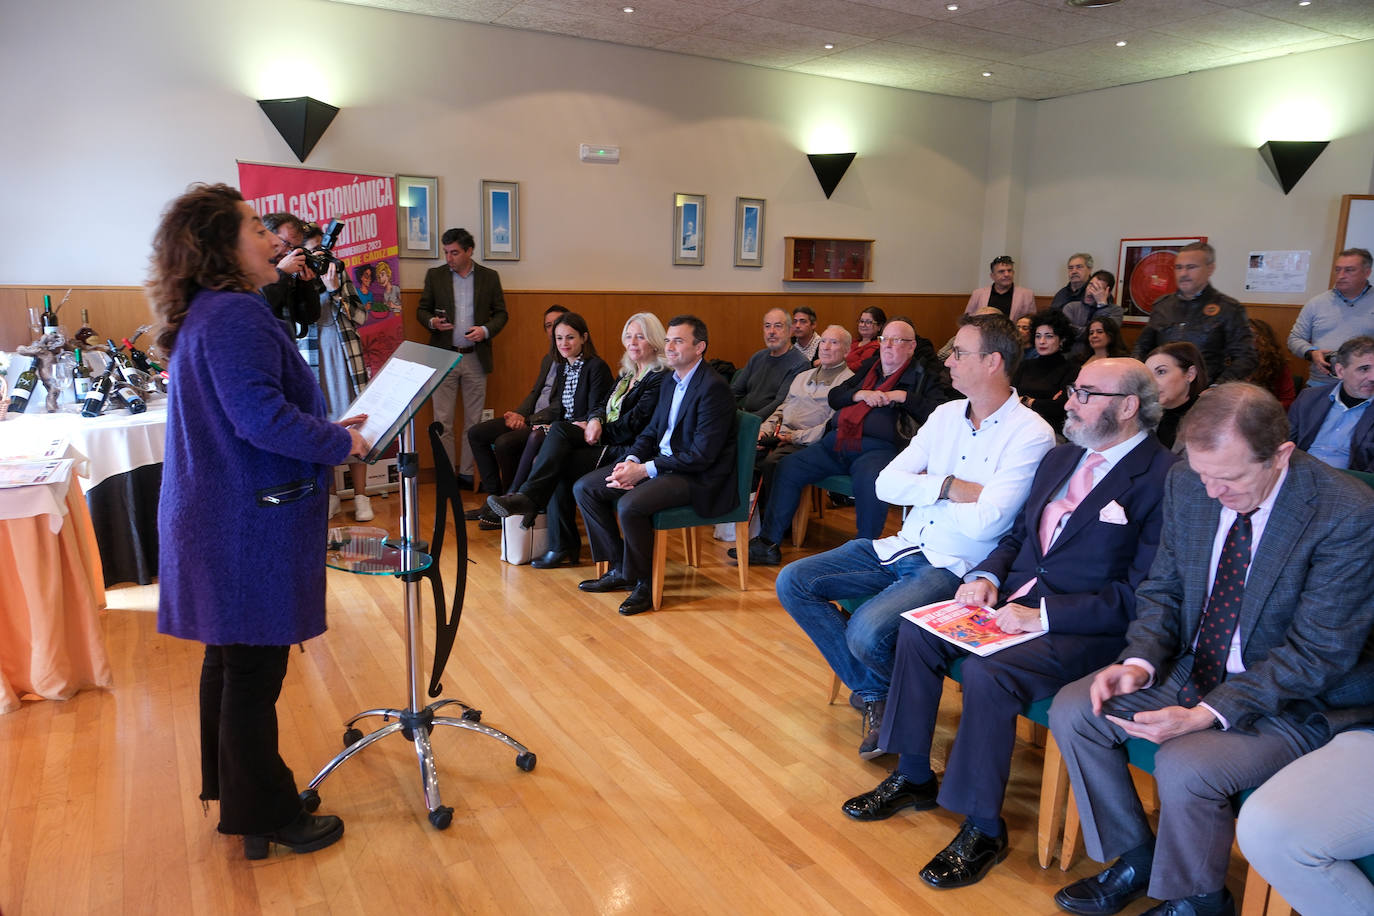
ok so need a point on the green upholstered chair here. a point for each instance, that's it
(683, 517)
(811, 498)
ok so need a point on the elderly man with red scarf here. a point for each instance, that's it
(966, 475)
(876, 413)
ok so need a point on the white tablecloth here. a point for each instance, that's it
(114, 443)
(48, 499)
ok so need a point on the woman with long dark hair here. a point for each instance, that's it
(242, 516)
(1181, 375)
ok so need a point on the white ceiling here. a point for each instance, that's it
(1033, 49)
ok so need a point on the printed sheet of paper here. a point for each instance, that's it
(28, 473)
(972, 628)
(1277, 271)
(387, 396)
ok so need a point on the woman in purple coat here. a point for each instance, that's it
(244, 495)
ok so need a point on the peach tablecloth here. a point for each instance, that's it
(51, 642)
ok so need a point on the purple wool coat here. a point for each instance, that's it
(245, 416)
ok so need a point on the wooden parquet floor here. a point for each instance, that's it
(687, 763)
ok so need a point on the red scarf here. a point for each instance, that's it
(850, 421)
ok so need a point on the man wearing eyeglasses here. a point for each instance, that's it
(965, 475)
(1003, 294)
(1068, 569)
(890, 394)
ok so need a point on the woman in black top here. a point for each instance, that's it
(1181, 376)
(1040, 382)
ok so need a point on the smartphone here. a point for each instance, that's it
(1114, 707)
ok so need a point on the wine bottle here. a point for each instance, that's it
(49, 316)
(81, 379)
(98, 396)
(128, 397)
(85, 331)
(23, 388)
(137, 356)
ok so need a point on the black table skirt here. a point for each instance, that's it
(124, 514)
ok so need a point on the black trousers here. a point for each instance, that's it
(563, 458)
(496, 451)
(239, 762)
(631, 548)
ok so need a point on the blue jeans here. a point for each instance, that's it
(819, 461)
(859, 647)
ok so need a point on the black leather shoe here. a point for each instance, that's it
(966, 860)
(473, 515)
(1187, 907)
(764, 553)
(892, 795)
(307, 833)
(613, 581)
(1104, 893)
(513, 504)
(487, 521)
(553, 559)
(872, 725)
(464, 481)
(640, 600)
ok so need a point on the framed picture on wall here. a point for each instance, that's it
(500, 220)
(1145, 273)
(689, 229)
(748, 232)
(417, 216)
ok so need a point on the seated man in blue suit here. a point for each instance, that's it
(685, 455)
(1243, 655)
(1335, 423)
(1069, 568)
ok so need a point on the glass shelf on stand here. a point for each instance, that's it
(370, 552)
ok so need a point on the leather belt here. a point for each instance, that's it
(466, 350)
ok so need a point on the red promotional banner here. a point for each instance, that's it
(366, 204)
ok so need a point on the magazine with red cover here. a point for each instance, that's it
(968, 626)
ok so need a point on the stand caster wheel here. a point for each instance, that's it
(472, 715)
(310, 800)
(526, 761)
(441, 817)
(352, 737)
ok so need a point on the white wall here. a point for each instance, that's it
(1178, 157)
(114, 108)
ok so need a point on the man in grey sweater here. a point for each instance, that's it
(761, 386)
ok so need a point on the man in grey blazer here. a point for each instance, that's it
(463, 307)
(1244, 655)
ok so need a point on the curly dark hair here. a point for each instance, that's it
(195, 247)
(1056, 322)
(1273, 362)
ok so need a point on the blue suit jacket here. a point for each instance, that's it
(1309, 599)
(1089, 577)
(703, 440)
(1309, 411)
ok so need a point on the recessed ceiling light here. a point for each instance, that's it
(952, 7)
(1304, 2)
(627, 9)
(1121, 44)
(987, 73)
(829, 47)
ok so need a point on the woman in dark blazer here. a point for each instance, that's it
(245, 486)
(573, 448)
(580, 386)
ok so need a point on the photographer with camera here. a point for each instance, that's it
(329, 342)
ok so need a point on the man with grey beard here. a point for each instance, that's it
(1069, 568)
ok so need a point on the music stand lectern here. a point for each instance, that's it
(393, 401)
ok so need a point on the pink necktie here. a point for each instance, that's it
(1080, 485)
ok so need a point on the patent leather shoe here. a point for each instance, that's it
(1187, 907)
(553, 559)
(513, 504)
(967, 859)
(613, 581)
(307, 833)
(892, 795)
(639, 600)
(1104, 893)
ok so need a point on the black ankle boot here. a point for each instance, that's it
(307, 833)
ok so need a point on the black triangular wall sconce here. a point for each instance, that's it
(301, 121)
(1289, 160)
(830, 168)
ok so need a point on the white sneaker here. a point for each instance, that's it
(333, 505)
(362, 509)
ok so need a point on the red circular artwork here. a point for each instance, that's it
(1152, 278)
